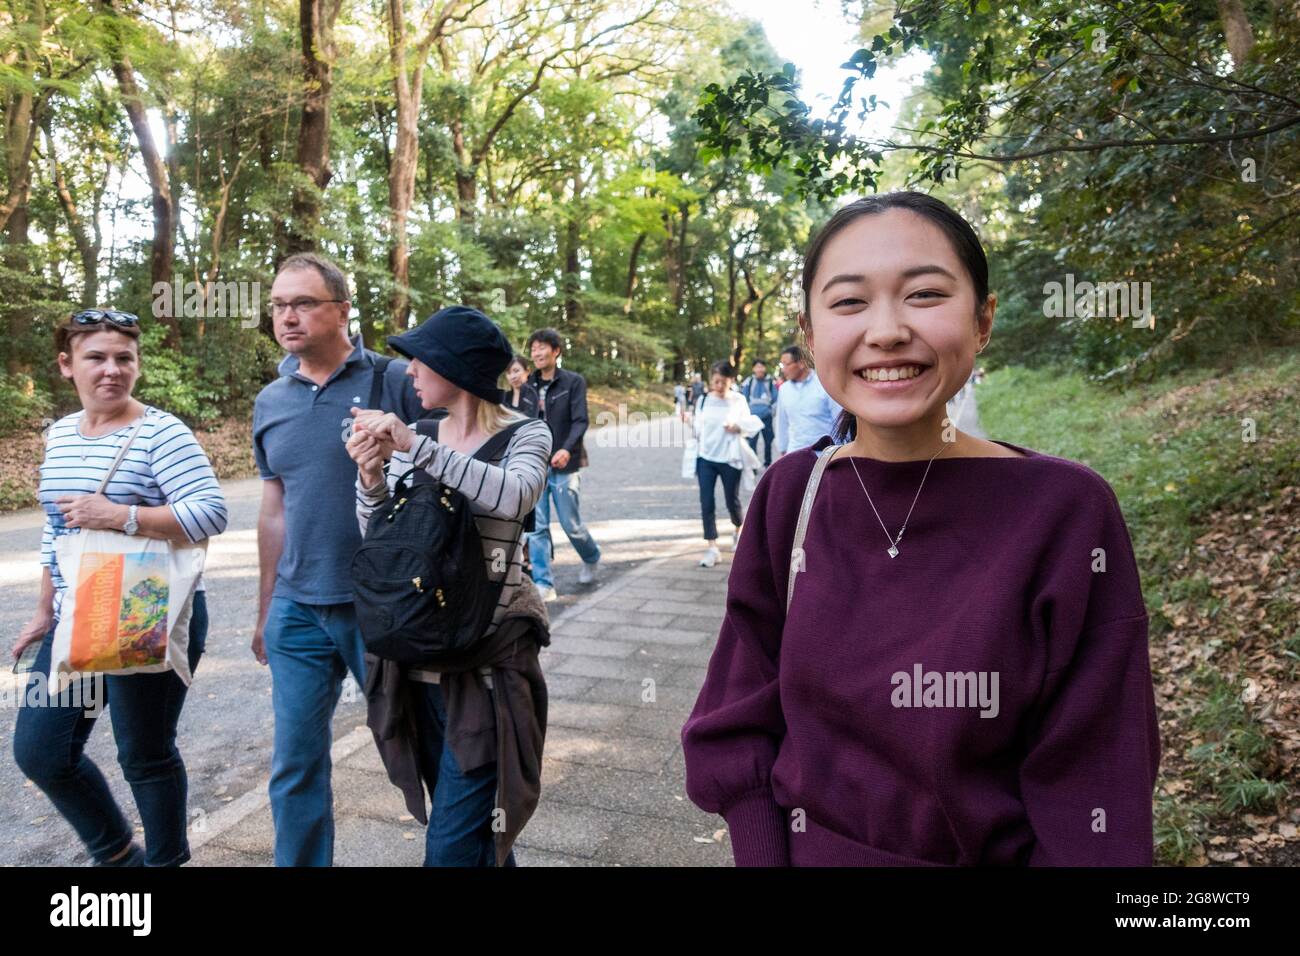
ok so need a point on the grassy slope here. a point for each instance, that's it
(1213, 519)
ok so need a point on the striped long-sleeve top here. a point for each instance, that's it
(500, 491)
(165, 465)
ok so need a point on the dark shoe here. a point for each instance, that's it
(133, 857)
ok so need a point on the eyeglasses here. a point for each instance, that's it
(299, 305)
(95, 316)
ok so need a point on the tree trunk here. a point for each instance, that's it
(316, 24)
(630, 285)
(87, 249)
(164, 211)
(571, 281)
(1237, 31)
(401, 169)
(742, 315)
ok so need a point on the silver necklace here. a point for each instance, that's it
(893, 542)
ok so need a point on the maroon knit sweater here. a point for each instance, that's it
(983, 698)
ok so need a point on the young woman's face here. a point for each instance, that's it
(892, 318)
(103, 367)
(516, 375)
(719, 384)
(434, 390)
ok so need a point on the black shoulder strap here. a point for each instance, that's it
(377, 380)
(488, 450)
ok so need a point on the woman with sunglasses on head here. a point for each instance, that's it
(977, 692)
(164, 488)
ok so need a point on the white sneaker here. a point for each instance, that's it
(710, 558)
(588, 572)
(548, 594)
(735, 539)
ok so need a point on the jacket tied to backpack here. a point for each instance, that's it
(506, 724)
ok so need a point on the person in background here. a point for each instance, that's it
(562, 403)
(722, 419)
(679, 399)
(804, 412)
(522, 394)
(164, 489)
(306, 628)
(760, 392)
(697, 389)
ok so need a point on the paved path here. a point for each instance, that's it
(613, 775)
(612, 784)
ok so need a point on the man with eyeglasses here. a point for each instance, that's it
(306, 535)
(804, 412)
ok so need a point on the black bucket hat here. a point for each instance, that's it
(462, 345)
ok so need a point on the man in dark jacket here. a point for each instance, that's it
(562, 404)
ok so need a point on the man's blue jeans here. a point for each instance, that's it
(564, 489)
(310, 649)
(49, 745)
(460, 823)
(767, 434)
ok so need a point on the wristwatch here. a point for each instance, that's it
(131, 526)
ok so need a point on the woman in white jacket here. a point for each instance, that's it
(722, 421)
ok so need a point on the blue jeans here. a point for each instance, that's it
(767, 434)
(708, 473)
(564, 489)
(49, 747)
(460, 823)
(310, 648)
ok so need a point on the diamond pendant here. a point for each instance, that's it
(893, 551)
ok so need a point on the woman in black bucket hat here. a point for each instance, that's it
(434, 729)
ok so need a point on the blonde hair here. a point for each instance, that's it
(491, 417)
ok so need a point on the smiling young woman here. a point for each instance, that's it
(959, 673)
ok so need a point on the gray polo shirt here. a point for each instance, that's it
(298, 437)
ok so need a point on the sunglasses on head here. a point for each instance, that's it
(96, 316)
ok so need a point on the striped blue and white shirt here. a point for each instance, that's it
(164, 465)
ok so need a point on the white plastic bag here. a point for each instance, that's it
(127, 606)
(689, 454)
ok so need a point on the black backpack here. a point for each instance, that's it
(419, 585)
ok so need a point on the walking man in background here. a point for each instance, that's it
(804, 412)
(562, 403)
(306, 533)
(760, 392)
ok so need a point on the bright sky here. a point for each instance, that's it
(815, 36)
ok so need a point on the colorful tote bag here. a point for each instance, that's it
(127, 606)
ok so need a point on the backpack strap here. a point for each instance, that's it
(488, 450)
(429, 429)
(377, 380)
(805, 509)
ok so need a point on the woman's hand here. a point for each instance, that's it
(92, 511)
(34, 630)
(731, 427)
(370, 454)
(385, 426)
